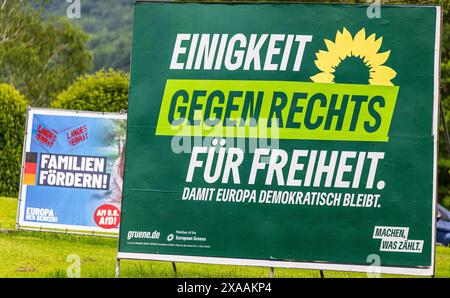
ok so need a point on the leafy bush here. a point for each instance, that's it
(12, 125)
(104, 91)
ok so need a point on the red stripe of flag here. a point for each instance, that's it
(30, 168)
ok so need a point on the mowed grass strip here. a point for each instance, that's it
(39, 254)
(8, 208)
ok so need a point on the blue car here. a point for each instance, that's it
(443, 226)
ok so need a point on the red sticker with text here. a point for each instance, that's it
(107, 216)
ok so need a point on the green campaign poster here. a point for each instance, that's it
(283, 135)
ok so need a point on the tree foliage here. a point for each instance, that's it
(39, 57)
(12, 125)
(109, 24)
(105, 91)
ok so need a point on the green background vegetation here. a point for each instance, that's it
(109, 25)
(40, 57)
(12, 123)
(105, 91)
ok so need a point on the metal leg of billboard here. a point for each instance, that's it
(117, 268)
(22, 168)
(271, 272)
(174, 267)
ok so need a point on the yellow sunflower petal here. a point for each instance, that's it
(380, 82)
(382, 75)
(346, 36)
(330, 45)
(377, 59)
(377, 44)
(343, 43)
(371, 47)
(323, 77)
(326, 61)
(358, 43)
(366, 47)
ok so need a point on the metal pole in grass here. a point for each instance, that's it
(117, 268)
(24, 153)
(174, 267)
(321, 274)
(271, 272)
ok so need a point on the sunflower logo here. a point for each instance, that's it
(355, 58)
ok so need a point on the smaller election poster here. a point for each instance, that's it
(72, 173)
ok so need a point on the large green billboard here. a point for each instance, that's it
(283, 135)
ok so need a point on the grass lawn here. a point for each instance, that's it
(37, 254)
(8, 207)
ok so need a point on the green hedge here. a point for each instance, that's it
(12, 126)
(104, 91)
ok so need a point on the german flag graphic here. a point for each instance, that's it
(29, 177)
